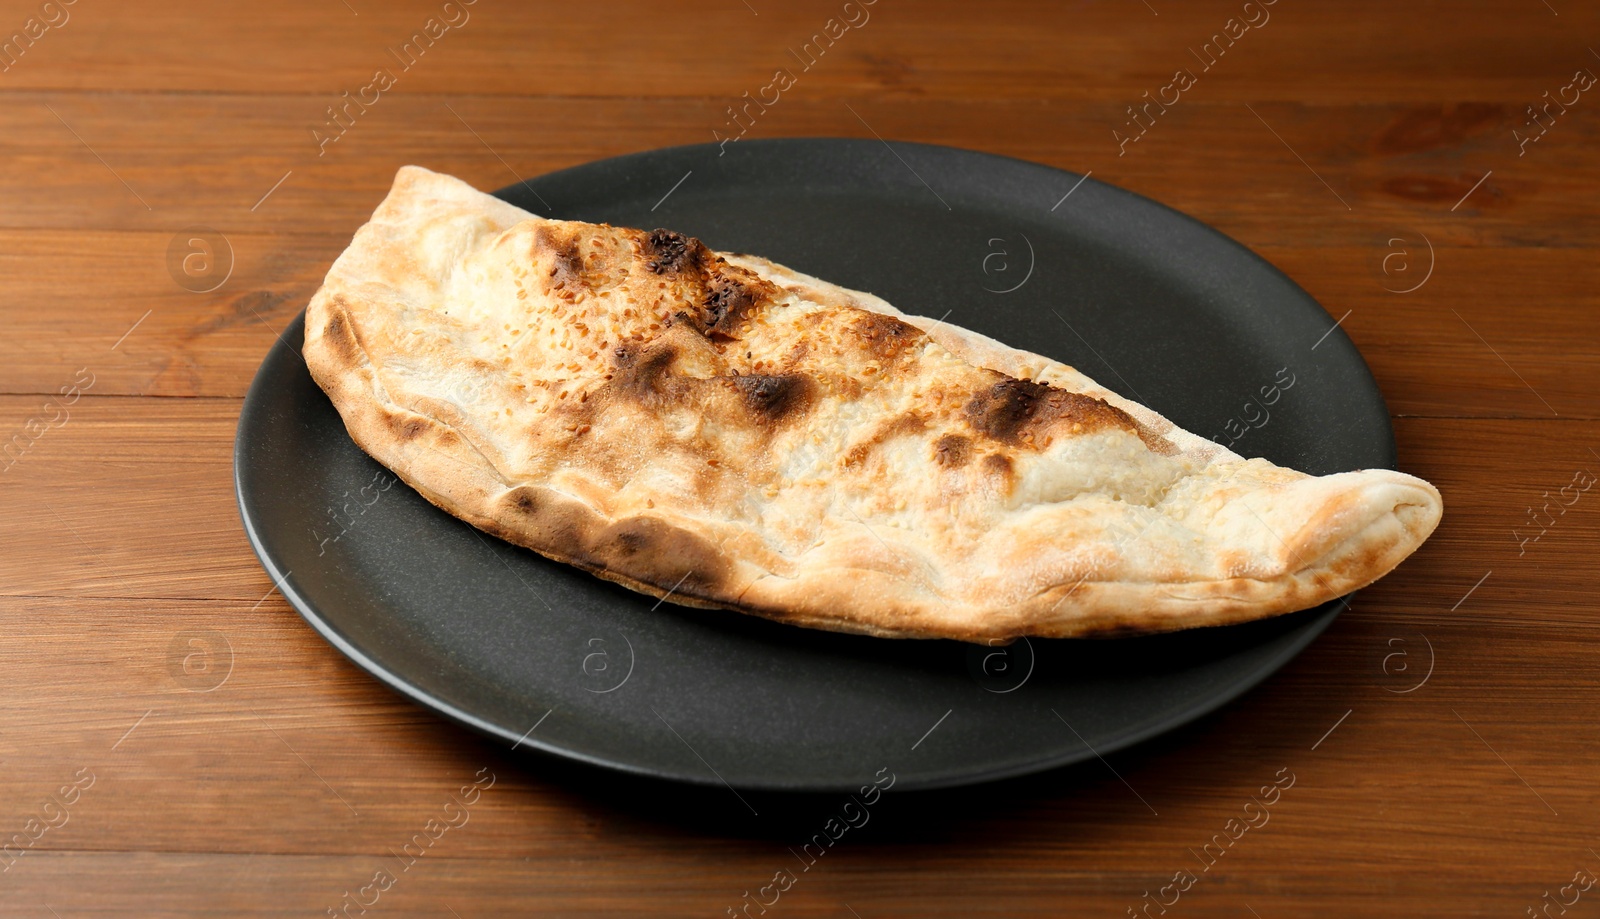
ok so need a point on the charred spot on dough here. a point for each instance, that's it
(412, 429)
(775, 398)
(639, 372)
(1012, 408)
(339, 337)
(1001, 410)
(336, 330)
(728, 300)
(884, 336)
(672, 253)
(629, 542)
(524, 502)
(662, 555)
(997, 464)
(566, 262)
(952, 451)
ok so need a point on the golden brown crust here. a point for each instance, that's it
(735, 434)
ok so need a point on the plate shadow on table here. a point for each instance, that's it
(897, 818)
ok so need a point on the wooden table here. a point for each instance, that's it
(189, 747)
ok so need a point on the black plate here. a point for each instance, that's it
(1152, 303)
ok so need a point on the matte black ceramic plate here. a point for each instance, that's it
(1151, 303)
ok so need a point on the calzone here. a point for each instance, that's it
(723, 431)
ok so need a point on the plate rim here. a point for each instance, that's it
(255, 402)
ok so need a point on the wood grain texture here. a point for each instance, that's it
(241, 767)
(945, 49)
(1286, 171)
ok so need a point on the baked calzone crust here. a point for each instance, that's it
(731, 433)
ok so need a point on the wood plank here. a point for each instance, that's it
(1506, 52)
(123, 498)
(1490, 332)
(1256, 172)
(281, 885)
(107, 304)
